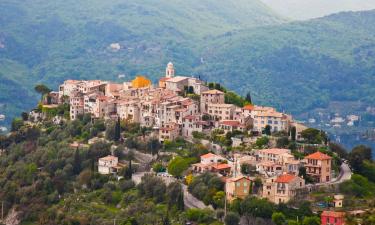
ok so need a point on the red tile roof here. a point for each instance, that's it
(285, 178)
(248, 107)
(318, 156)
(222, 166)
(333, 214)
(232, 123)
(208, 155)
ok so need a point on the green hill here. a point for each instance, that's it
(295, 66)
(49, 41)
(299, 66)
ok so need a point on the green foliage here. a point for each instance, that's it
(178, 165)
(206, 187)
(313, 136)
(17, 123)
(313, 220)
(358, 186)
(158, 167)
(262, 142)
(200, 215)
(278, 218)
(232, 219)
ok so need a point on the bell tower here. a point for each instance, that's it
(169, 71)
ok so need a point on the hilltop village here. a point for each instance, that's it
(181, 106)
(220, 147)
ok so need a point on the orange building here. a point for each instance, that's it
(318, 166)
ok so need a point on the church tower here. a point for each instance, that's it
(169, 71)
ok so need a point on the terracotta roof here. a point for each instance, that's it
(248, 107)
(285, 178)
(318, 156)
(275, 151)
(333, 214)
(214, 91)
(230, 123)
(208, 155)
(234, 179)
(222, 166)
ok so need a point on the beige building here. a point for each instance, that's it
(169, 131)
(210, 97)
(108, 165)
(318, 166)
(283, 188)
(76, 102)
(221, 111)
(238, 187)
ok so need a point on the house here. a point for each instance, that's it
(108, 165)
(212, 163)
(269, 168)
(231, 125)
(193, 123)
(210, 97)
(283, 188)
(221, 111)
(264, 116)
(238, 187)
(318, 166)
(277, 155)
(332, 218)
(169, 131)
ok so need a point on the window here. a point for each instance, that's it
(238, 184)
(245, 184)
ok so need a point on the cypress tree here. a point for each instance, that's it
(117, 130)
(293, 132)
(248, 98)
(77, 162)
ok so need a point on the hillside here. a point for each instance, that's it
(299, 66)
(44, 41)
(307, 9)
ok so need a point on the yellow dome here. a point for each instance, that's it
(140, 82)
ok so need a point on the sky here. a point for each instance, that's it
(308, 9)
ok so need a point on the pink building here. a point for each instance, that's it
(332, 218)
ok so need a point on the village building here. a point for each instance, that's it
(318, 166)
(332, 218)
(237, 187)
(221, 111)
(211, 97)
(212, 163)
(283, 188)
(169, 132)
(108, 165)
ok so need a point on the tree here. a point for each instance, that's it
(175, 195)
(313, 136)
(153, 146)
(178, 165)
(293, 133)
(25, 116)
(267, 130)
(17, 123)
(42, 89)
(261, 142)
(257, 207)
(248, 169)
(128, 172)
(117, 135)
(248, 98)
(232, 219)
(77, 162)
(282, 142)
(358, 155)
(313, 220)
(278, 218)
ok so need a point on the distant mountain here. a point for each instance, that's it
(308, 9)
(49, 41)
(299, 66)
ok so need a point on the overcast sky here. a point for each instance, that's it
(307, 9)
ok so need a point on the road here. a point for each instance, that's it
(189, 200)
(345, 174)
